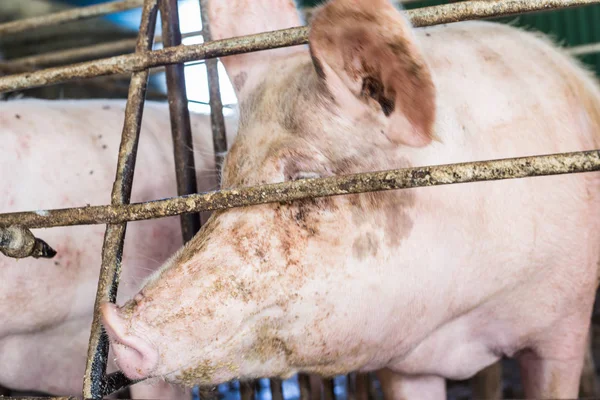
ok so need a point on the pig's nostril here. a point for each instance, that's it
(135, 357)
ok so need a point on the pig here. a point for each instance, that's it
(58, 154)
(422, 284)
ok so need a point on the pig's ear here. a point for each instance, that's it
(367, 54)
(232, 18)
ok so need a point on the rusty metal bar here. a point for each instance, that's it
(455, 12)
(19, 242)
(304, 385)
(94, 382)
(79, 54)
(328, 389)
(185, 167)
(276, 389)
(75, 14)
(584, 49)
(248, 390)
(214, 92)
(507, 168)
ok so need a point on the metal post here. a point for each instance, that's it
(112, 251)
(185, 167)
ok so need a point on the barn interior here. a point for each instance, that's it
(577, 29)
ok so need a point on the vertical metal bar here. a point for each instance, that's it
(304, 383)
(185, 167)
(328, 389)
(112, 250)
(361, 386)
(487, 383)
(216, 106)
(247, 390)
(276, 389)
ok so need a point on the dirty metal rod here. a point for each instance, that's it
(508, 168)
(19, 242)
(185, 167)
(214, 92)
(328, 389)
(75, 14)
(276, 389)
(78, 54)
(94, 382)
(584, 49)
(468, 10)
(304, 384)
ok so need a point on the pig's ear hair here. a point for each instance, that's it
(367, 54)
(232, 18)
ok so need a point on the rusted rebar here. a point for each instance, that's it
(185, 167)
(214, 93)
(304, 385)
(328, 389)
(78, 54)
(276, 389)
(507, 168)
(94, 383)
(584, 49)
(427, 16)
(19, 242)
(75, 14)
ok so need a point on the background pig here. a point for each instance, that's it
(59, 154)
(437, 282)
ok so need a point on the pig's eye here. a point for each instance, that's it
(304, 175)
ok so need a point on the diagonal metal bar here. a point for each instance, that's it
(185, 167)
(94, 381)
(447, 13)
(75, 14)
(216, 105)
(477, 171)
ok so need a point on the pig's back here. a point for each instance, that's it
(507, 249)
(58, 154)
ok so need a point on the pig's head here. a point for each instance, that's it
(275, 289)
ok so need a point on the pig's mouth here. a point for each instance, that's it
(135, 356)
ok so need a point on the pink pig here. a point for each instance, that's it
(57, 154)
(426, 283)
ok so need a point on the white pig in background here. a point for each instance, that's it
(57, 154)
(428, 283)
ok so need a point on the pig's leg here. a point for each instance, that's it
(552, 369)
(159, 390)
(400, 387)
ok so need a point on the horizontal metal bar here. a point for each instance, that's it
(427, 16)
(584, 49)
(75, 14)
(508, 168)
(78, 54)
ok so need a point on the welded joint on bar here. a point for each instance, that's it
(19, 242)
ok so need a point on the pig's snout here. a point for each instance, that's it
(134, 356)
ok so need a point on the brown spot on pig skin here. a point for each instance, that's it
(203, 373)
(365, 246)
(239, 81)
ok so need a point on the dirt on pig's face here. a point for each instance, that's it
(275, 289)
(259, 289)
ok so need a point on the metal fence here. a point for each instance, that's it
(188, 204)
